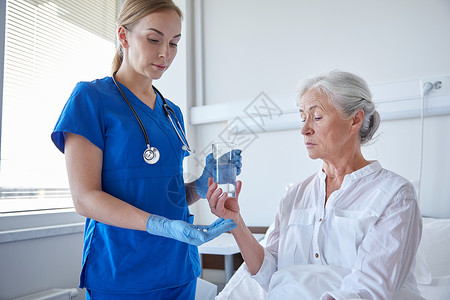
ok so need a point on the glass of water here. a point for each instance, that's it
(224, 168)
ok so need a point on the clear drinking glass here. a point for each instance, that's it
(224, 168)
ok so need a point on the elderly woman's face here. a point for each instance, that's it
(325, 133)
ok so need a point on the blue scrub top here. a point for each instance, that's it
(118, 260)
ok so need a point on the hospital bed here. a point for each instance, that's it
(432, 269)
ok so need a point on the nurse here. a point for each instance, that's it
(139, 241)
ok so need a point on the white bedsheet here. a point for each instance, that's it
(305, 282)
(242, 286)
(438, 289)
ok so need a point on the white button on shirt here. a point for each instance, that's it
(371, 226)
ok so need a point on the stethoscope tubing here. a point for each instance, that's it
(167, 111)
(132, 109)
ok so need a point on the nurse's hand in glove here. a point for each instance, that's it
(201, 184)
(185, 232)
(220, 204)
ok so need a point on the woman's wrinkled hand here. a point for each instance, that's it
(220, 204)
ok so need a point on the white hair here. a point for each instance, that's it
(348, 93)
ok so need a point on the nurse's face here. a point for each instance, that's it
(326, 134)
(151, 45)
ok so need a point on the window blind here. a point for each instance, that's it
(50, 45)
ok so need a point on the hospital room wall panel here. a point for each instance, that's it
(35, 265)
(256, 46)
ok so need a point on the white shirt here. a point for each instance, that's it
(371, 226)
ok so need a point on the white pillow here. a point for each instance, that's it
(421, 269)
(436, 245)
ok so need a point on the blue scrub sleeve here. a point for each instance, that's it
(82, 115)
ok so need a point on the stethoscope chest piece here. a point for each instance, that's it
(151, 155)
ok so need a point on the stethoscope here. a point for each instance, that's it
(151, 154)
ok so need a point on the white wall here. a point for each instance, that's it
(39, 251)
(40, 264)
(261, 45)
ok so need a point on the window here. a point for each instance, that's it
(50, 45)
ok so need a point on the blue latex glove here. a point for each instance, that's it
(201, 184)
(185, 232)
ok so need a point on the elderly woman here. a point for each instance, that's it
(349, 231)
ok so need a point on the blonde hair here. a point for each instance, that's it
(134, 10)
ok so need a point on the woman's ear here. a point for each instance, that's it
(122, 33)
(357, 120)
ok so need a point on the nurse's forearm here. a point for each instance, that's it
(84, 163)
(251, 250)
(104, 208)
(191, 193)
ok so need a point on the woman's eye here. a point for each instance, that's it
(317, 118)
(173, 44)
(153, 41)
